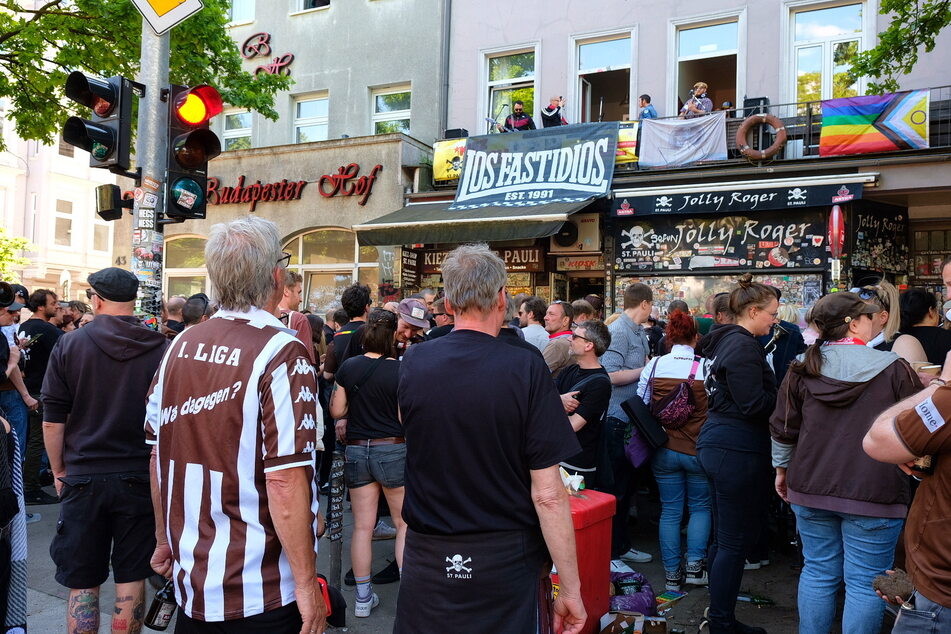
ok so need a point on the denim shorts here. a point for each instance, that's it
(382, 463)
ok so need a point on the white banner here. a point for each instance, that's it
(670, 142)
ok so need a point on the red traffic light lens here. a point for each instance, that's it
(198, 105)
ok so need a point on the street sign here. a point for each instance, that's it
(162, 15)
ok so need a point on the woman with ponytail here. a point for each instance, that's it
(679, 475)
(733, 446)
(849, 508)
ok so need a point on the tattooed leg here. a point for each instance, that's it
(129, 611)
(82, 611)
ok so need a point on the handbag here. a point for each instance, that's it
(675, 409)
(647, 434)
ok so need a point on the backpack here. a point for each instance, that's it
(674, 410)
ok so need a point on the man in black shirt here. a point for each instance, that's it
(485, 506)
(518, 121)
(347, 340)
(585, 389)
(41, 336)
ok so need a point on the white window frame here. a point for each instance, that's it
(201, 271)
(71, 216)
(867, 39)
(99, 222)
(396, 115)
(674, 27)
(237, 133)
(574, 90)
(484, 102)
(306, 121)
(232, 21)
(300, 9)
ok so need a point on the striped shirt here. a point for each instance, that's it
(234, 398)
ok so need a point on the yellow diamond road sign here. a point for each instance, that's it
(162, 15)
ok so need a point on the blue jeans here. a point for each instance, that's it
(678, 476)
(17, 415)
(839, 546)
(928, 617)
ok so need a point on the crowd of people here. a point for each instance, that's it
(456, 413)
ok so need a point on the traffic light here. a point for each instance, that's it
(190, 146)
(107, 137)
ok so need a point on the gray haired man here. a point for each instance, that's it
(234, 421)
(485, 506)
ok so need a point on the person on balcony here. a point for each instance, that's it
(647, 109)
(518, 121)
(698, 104)
(553, 115)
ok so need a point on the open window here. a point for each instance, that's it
(708, 53)
(825, 43)
(511, 78)
(604, 78)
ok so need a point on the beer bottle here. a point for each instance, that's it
(162, 609)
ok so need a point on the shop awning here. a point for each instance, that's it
(435, 223)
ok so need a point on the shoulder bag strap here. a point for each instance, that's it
(366, 375)
(693, 370)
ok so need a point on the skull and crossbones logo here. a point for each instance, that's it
(635, 237)
(797, 194)
(457, 564)
(664, 201)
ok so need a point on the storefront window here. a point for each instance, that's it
(328, 247)
(185, 253)
(324, 290)
(187, 286)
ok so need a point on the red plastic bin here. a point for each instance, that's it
(591, 513)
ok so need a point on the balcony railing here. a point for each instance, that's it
(803, 123)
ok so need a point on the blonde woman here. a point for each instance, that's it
(886, 322)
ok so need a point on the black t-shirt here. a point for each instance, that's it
(935, 341)
(510, 336)
(479, 415)
(372, 411)
(593, 398)
(348, 342)
(37, 356)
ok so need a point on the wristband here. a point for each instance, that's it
(937, 381)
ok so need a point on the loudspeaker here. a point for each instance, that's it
(755, 105)
(455, 133)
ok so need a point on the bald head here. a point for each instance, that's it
(174, 307)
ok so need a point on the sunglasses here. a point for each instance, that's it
(574, 336)
(867, 293)
(91, 293)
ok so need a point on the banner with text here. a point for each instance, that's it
(737, 200)
(764, 241)
(522, 169)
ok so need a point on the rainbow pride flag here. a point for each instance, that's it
(876, 123)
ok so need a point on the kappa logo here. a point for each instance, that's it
(307, 422)
(457, 564)
(305, 395)
(797, 194)
(310, 447)
(302, 366)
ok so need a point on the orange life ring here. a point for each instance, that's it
(760, 119)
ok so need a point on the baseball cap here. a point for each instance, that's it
(413, 312)
(15, 306)
(114, 284)
(835, 309)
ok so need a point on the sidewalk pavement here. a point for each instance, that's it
(47, 599)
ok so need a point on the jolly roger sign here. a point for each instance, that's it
(764, 241)
(736, 201)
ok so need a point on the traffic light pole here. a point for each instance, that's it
(148, 241)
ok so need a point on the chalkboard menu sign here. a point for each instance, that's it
(770, 240)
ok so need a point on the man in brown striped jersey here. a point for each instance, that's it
(234, 419)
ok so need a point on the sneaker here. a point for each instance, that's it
(390, 574)
(674, 578)
(362, 609)
(33, 518)
(637, 556)
(696, 573)
(382, 530)
(34, 498)
(619, 566)
(752, 565)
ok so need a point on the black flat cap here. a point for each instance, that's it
(114, 284)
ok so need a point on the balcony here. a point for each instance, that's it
(803, 124)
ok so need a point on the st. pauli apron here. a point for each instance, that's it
(482, 582)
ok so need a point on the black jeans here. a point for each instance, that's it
(737, 516)
(621, 487)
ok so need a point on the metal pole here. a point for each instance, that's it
(148, 242)
(335, 517)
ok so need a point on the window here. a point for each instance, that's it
(237, 130)
(100, 236)
(825, 42)
(310, 120)
(63, 224)
(391, 110)
(241, 11)
(330, 260)
(185, 266)
(313, 4)
(604, 74)
(65, 149)
(511, 78)
(708, 53)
